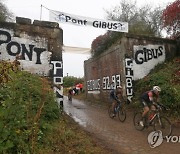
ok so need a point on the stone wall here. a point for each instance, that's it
(131, 58)
(38, 46)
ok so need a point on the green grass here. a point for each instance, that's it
(27, 104)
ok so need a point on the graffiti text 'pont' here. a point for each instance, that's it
(14, 48)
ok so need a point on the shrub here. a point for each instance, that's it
(27, 107)
(103, 42)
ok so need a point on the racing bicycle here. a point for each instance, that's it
(119, 110)
(154, 119)
(70, 97)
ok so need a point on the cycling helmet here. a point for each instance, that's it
(157, 88)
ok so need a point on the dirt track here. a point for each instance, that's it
(121, 137)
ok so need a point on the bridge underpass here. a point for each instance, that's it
(73, 60)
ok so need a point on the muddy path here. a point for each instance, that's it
(123, 138)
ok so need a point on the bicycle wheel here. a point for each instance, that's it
(122, 114)
(69, 97)
(136, 120)
(164, 125)
(110, 112)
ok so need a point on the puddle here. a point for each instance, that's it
(79, 121)
(76, 110)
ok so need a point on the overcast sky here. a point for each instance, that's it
(73, 35)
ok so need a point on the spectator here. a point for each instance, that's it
(81, 87)
(75, 91)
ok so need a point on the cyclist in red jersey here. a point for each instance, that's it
(147, 99)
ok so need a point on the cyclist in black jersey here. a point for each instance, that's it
(115, 95)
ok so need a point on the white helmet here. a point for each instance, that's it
(157, 88)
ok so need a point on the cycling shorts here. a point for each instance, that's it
(145, 103)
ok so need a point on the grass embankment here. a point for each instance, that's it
(30, 120)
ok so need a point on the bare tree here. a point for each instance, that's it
(143, 20)
(5, 14)
(171, 19)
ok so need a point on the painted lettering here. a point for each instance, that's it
(6, 35)
(129, 77)
(57, 72)
(58, 81)
(118, 80)
(147, 54)
(93, 85)
(26, 52)
(104, 82)
(14, 48)
(108, 82)
(113, 83)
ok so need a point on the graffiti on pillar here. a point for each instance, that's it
(111, 82)
(146, 58)
(106, 83)
(57, 72)
(35, 57)
(57, 76)
(129, 77)
(93, 86)
(33, 51)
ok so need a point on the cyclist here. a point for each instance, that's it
(115, 94)
(70, 93)
(148, 98)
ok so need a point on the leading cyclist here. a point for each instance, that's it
(148, 98)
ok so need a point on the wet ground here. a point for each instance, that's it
(123, 138)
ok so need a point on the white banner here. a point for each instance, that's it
(57, 16)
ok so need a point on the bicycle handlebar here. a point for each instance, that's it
(160, 106)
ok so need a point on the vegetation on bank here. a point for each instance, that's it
(30, 120)
(27, 108)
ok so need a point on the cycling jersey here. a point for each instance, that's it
(113, 95)
(70, 91)
(148, 97)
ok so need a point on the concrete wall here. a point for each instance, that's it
(39, 44)
(104, 72)
(131, 58)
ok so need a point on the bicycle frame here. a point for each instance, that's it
(156, 115)
(156, 120)
(117, 108)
